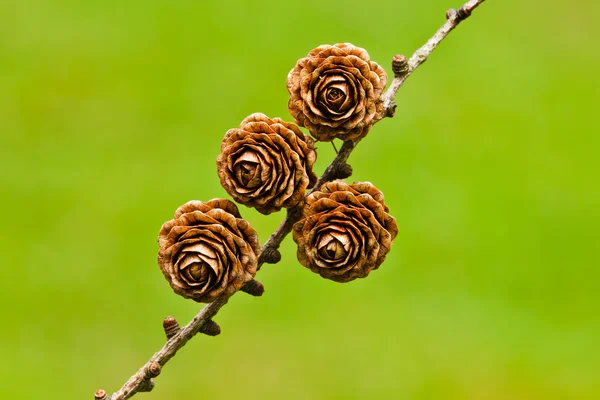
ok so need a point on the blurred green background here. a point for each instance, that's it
(111, 116)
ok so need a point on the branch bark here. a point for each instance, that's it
(337, 169)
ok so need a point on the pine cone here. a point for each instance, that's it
(335, 92)
(207, 250)
(266, 163)
(345, 231)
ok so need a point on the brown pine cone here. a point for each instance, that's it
(266, 163)
(335, 92)
(345, 231)
(207, 250)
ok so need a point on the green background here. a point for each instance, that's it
(111, 116)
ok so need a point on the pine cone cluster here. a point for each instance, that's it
(345, 231)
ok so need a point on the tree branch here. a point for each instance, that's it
(338, 169)
(406, 68)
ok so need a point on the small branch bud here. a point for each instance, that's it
(399, 65)
(153, 370)
(342, 171)
(271, 256)
(210, 328)
(147, 385)
(171, 327)
(100, 395)
(463, 13)
(459, 14)
(391, 110)
(254, 288)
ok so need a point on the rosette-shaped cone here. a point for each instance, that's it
(207, 250)
(335, 92)
(266, 163)
(345, 231)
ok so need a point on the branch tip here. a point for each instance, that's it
(101, 395)
(254, 287)
(210, 328)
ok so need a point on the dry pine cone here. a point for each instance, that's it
(345, 231)
(335, 92)
(266, 163)
(207, 250)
